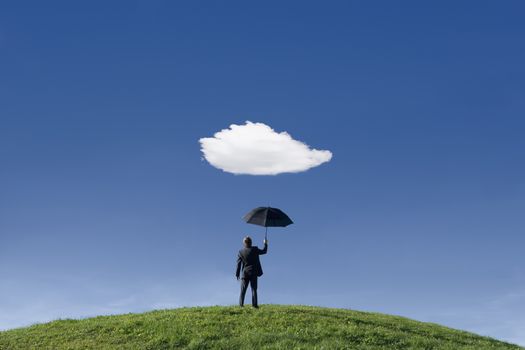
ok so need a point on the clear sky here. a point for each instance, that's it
(106, 205)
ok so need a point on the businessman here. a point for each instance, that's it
(249, 268)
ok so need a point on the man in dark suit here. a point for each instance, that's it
(248, 261)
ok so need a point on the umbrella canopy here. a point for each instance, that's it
(268, 217)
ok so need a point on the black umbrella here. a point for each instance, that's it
(267, 217)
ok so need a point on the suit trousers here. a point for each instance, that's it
(252, 281)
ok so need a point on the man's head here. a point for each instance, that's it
(247, 241)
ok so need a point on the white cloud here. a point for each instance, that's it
(256, 149)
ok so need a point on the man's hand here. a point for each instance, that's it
(265, 241)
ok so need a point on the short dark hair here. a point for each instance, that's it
(247, 241)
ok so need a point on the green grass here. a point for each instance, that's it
(269, 327)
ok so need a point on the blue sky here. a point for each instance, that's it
(106, 205)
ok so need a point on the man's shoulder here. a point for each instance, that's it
(247, 250)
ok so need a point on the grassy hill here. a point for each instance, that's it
(270, 327)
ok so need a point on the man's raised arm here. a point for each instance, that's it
(265, 249)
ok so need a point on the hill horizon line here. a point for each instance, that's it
(271, 326)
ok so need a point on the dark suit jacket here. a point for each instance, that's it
(248, 261)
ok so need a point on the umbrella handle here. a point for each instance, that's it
(266, 233)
